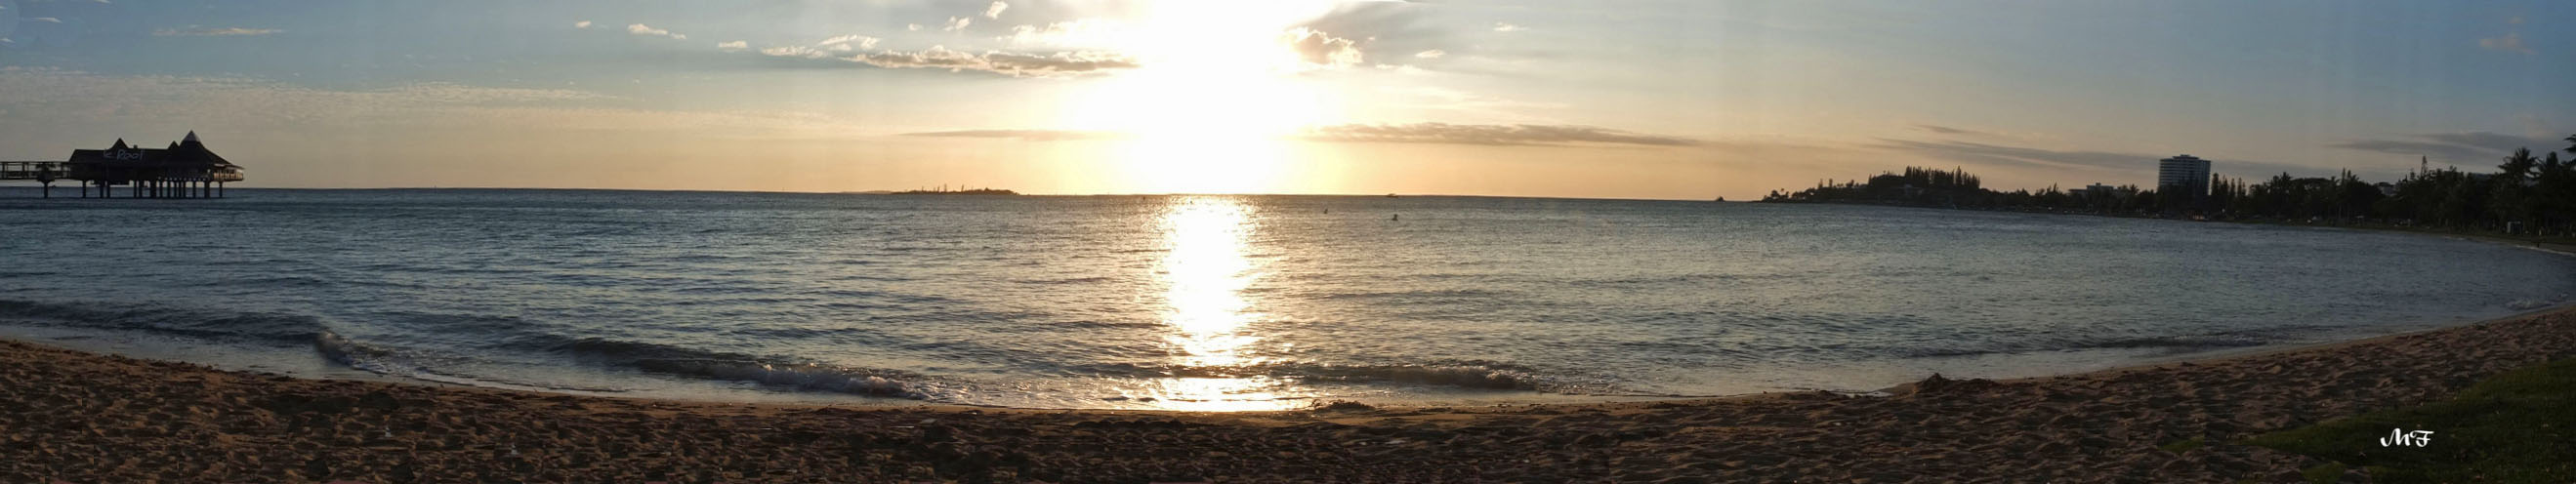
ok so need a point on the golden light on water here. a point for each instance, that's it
(1204, 271)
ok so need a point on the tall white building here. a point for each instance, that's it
(2183, 174)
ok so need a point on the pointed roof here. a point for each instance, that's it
(192, 137)
(120, 144)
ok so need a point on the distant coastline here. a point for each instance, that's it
(943, 191)
(2528, 199)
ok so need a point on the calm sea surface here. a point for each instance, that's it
(1190, 302)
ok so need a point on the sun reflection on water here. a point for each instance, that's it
(1204, 272)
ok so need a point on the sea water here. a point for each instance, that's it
(1196, 302)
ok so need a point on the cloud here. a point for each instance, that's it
(862, 41)
(209, 32)
(912, 27)
(733, 46)
(1506, 27)
(581, 25)
(1388, 32)
(1486, 135)
(1994, 154)
(995, 11)
(1320, 50)
(1014, 64)
(1987, 154)
(957, 23)
(73, 98)
(1430, 54)
(649, 31)
(1005, 63)
(49, 20)
(1946, 129)
(1024, 134)
(2471, 147)
(796, 51)
(2510, 42)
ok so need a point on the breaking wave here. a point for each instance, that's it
(255, 326)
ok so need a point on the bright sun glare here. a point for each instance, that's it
(1217, 91)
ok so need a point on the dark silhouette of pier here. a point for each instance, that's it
(186, 169)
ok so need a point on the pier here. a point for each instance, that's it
(186, 169)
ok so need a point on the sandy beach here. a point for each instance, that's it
(81, 417)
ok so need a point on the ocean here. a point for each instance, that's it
(1195, 302)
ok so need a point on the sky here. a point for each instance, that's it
(1681, 99)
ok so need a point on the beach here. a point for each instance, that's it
(80, 417)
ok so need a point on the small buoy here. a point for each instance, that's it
(1396, 217)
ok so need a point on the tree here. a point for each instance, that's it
(2518, 166)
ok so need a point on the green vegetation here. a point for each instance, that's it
(2526, 195)
(2183, 446)
(2324, 474)
(2516, 427)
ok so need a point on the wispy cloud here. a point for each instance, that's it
(259, 104)
(1487, 135)
(649, 31)
(957, 23)
(1006, 63)
(1430, 54)
(995, 11)
(733, 46)
(1507, 27)
(1946, 129)
(2510, 42)
(214, 32)
(862, 41)
(795, 51)
(2000, 155)
(581, 25)
(1014, 64)
(1024, 134)
(2006, 155)
(2469, 147)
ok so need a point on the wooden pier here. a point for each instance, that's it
(184, 170)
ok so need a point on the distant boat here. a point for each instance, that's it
(1390, 195)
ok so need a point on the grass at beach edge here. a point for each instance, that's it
(2519, 426)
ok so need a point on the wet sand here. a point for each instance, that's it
(81, 417)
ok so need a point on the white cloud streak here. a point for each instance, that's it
(211, 32)
(649, 31)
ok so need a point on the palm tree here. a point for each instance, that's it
(2518, 167)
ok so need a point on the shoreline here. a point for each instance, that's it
(86, 417)
(2562, 245)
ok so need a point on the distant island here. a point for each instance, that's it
(946, 191)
